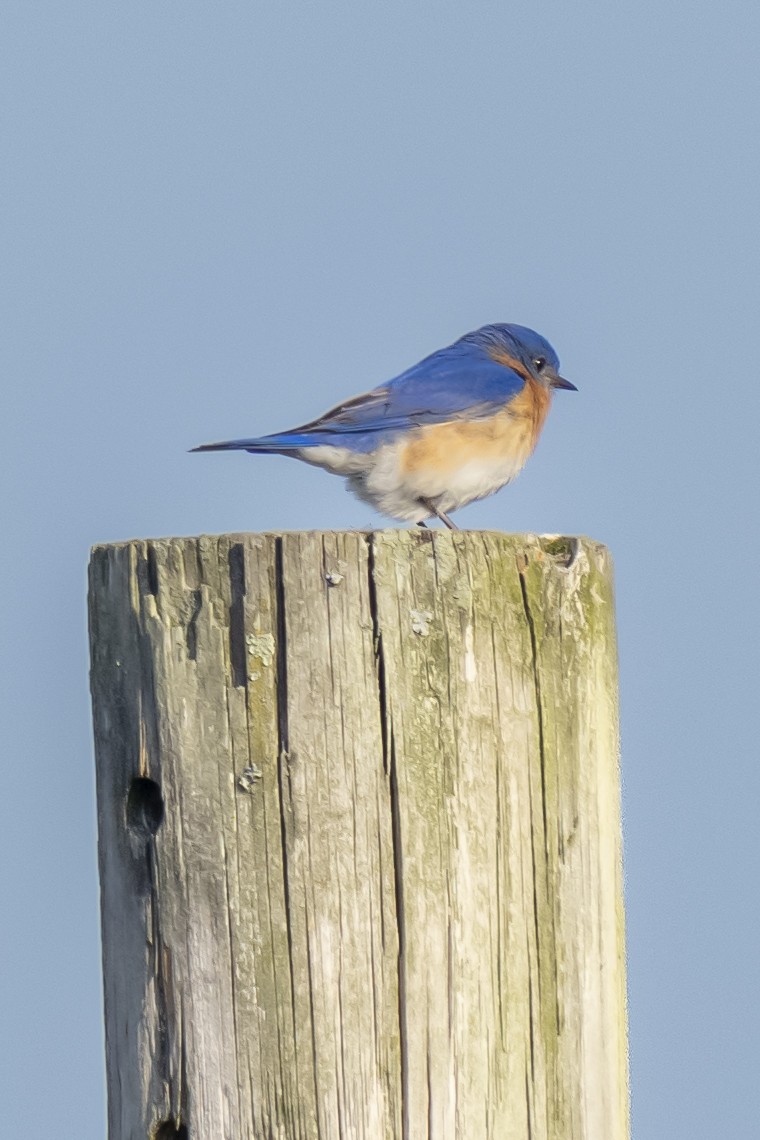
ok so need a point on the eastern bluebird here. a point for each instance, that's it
(454, 428)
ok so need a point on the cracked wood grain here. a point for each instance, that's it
(359, 837)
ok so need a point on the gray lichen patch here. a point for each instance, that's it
(261, 646)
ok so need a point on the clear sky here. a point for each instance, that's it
(219, 219)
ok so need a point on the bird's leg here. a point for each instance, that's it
(429, 505)
(446, 520)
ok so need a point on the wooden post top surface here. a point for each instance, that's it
(400, 533)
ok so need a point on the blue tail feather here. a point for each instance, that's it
(287, 441)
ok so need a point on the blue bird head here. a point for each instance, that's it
(522, 346)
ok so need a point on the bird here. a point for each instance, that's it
(454, 428)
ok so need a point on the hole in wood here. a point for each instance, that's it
(563, 549)
(170, 1129)
(145, 810)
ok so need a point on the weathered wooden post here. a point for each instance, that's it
(358, 805)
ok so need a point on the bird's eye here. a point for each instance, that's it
(539, 363)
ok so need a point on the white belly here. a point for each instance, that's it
(386, 486)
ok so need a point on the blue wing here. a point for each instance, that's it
(458, 382)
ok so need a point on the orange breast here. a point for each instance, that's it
(508, 437)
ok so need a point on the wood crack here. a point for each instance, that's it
(537, 686)
(391, 770)
(282, 761)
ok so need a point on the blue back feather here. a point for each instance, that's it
(460, 381)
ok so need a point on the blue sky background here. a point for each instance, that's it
(220, 218)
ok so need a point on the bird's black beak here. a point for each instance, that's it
(557, 381)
